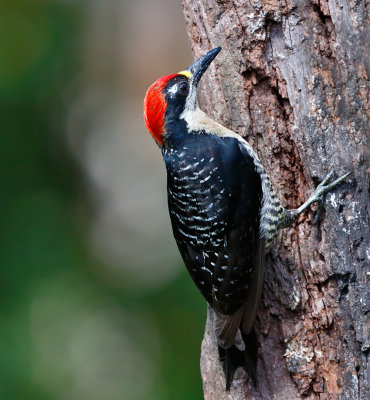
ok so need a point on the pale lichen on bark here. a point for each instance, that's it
(293, 79)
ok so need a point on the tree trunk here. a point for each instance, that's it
(293, 79)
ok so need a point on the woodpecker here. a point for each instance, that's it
(223, 209)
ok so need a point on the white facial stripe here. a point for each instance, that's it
(173, 89)
(191, 100)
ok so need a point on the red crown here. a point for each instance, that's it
(154, 108)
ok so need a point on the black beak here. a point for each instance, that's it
(195, 72)
(199, 67)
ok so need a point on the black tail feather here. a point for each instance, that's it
(232, 358)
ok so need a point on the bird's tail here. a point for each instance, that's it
(232, 358)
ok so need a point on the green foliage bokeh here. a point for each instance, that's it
(49, 281)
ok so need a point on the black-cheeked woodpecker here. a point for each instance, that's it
(223, 208)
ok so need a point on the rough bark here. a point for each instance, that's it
(293, 79)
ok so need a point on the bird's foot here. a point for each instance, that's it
(318, 195)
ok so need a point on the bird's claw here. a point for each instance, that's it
(320, 209)
(318, 196)
(326, 179)
(322, 189)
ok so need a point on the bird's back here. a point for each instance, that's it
(214, 197)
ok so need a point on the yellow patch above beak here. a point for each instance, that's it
(187, 73)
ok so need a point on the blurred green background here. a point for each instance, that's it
(95, 301)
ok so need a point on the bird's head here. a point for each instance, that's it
(169, 96)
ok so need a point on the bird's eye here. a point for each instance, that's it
(183, 87)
